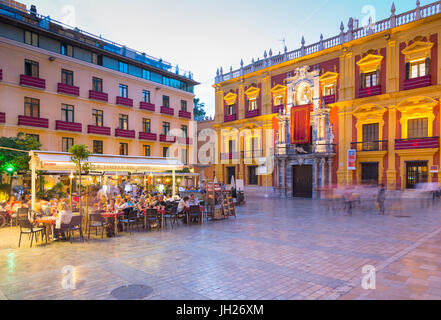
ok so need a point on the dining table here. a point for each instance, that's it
(49, 224)
(161, 211)
(115, 216)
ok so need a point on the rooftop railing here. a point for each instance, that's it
(354, 32)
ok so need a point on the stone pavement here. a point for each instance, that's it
(275, 249)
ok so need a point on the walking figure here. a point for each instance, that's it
(381, 197)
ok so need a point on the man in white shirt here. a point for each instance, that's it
(63, 220)
(182, 205)
(193, 201)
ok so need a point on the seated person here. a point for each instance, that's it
(130, 202)
(63, 220)
(183, 205)
(160, 201)
(193, 201)
(124, 205)
(112, 207)
(102, 205)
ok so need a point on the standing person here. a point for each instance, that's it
(381, 197)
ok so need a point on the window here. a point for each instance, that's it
(97, 147)
(166, 81)
(329, 90)
(67, 143)
(184, 131)
(67, 50)
(278, 101)
(146, 74)
(124, 122)
(231, 146)
(370, 137)
(32, 68)
(97, 59)
(146, 96)
(98, 116)
(184, 156)
(31, 38)
(124, 149)
(97, 84)
(32, 107)
(183, 105)
(253, 179)
(165, 152)
(123, 67)
(146, 125)
(166, 101)
(36, 137)
(417, 128)
(123, 91)
(67, 77)
(370, 79)
(418, 69)
(146, 150)
(67, 113)
(252, 105)
(166, 128)
(231, 109)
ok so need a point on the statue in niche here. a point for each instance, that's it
(330, 134)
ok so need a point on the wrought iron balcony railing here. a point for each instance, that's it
(379, 145)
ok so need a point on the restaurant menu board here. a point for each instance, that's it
(217, 187)
(239, 185)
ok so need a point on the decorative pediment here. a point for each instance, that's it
(328, 78)
(230, 98)
(419, 102)
(252, 92)
(418, 50)
(370, 63)
(279, 89)
(369, 111)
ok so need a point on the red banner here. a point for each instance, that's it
(275, 128)
(300, 124)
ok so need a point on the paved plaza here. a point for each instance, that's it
(275, 249)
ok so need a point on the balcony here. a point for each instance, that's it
(33, 122)
(100, 96)
(2, 117)
(329, 99)
(379, 145)
(68, 126)
(34, 82)
(147, 136)
(124, 101)
(184, 114)
(278, 108)
(147, 106)
(230, 156)
(1, 74)
(167, 139)
(125, 133)
(420, 82)
(369, 92)
(231, 117)
(168, 111)
(252, 154)
(105, 131)
(68, 89)
(417, 143)
(186, 141)
(252, 113)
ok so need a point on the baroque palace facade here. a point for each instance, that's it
(64, 86)
(372, 89)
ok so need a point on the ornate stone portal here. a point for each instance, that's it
(301, 170)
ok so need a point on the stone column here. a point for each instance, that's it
(283, 176)
(315, 175)
(330, 171)
(322, 164)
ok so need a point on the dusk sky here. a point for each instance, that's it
(202, 35)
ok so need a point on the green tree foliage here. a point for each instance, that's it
(18, 161)
(199, 109)
(80, 155)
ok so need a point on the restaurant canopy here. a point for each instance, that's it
(61, 161)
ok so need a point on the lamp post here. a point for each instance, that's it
(70, 189)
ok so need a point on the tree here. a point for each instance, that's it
(199, 110)
(15, 161)
(79, 155)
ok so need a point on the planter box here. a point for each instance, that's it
(68, 89)
(33, 122)
(368, 92)
(276, 109)
(168, 111)
(29, 81)
(147, 136)
(68, 126)
(168, 139)
(147, 106)
(125, 133)
(252, 114)
(184, 114)
(124, 101)
(422, 143)
(100, 96)
(329, 99)
(98, 130)
(418, 82)
(229, 118)
(2, 117)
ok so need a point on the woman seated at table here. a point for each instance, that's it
(141, 205)
(130, 202)
(102, 204)
(112, 207)
(63, 220)
(160, 201)
(183, 205)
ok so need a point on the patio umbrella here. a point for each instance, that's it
(215, 179)
(233, 184)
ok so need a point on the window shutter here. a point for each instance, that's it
(407, 70)
(362, 80)
(378, 77)
(427, 66)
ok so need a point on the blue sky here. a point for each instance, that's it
(202, 35)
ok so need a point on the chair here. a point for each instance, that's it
(130, 220)
(151, 216)
(76, 224)
(26, 227)
(171, 215)
(21, 213)
(96, 221)
(195, 212)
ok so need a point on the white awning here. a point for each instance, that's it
(61, 161)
